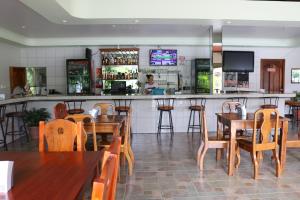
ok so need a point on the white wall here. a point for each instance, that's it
(292, 60)
(9, 56)
(54, 58)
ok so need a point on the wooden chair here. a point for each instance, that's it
(60, 135)
(265, 120)
(125, 145)
(103, 187)
(60, 111)
(209, 142)
(105, 108)
(91, 128)
(115, 149)
(229, 107)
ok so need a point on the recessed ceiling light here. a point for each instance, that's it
(64, 21)
(136, 21)
(228, 22)
(114, 26)
(23, 27)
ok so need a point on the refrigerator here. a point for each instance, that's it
(78, 76)
(201, 75)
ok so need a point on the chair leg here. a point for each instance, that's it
(131, 153)
(193, 123)
(25, 130)
(255, 165)
(238, 155)
(171, 123)
(4, 136)
(277, 162)
(202, 157)
(130, 166)
(159, 123)
(199, 152)
(189, 124)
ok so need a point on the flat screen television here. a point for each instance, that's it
(163, 57)
(238, 61)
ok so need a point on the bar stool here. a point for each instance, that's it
(165, 105)
(123, 106)
(19, 114)
(2, 119)
(270, 102)
(196, 105)
(74, 106)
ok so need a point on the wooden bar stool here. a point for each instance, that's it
(165, 105)
(196, 105)
(19, 114)
(270, 102)
(2, 120)
(74, 106)
(123, 106)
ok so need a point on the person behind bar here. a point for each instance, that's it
(150, 84)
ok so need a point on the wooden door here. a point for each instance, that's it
(272, 75)
(17, 77)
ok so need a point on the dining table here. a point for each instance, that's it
(51, 175)
(114, 124)
(236, 122)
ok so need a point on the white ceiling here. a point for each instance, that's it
(45, 22)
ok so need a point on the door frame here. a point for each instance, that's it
(283, 71)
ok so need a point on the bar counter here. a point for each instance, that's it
(145, 114)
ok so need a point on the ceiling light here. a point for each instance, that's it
(228, 22)
(114, 26)
(64, 21)
(23, 27)
(136, 21)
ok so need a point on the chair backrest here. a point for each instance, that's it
(197, 101)
(204, 134)
(105, 108)
(60, 111)
(265, 120)
(60, 135)
(73, 104)
(21, 106)
(114, 148)
(230, 106)
(88, 126)
(162, 102)
(103, 186)
(122, 102)
(271, 101)
(242, 100)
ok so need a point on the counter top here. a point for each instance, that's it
(143, 97)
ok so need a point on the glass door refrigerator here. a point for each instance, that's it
(78, 76)
(201, 75)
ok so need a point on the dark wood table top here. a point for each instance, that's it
(292, 103)
(110, 119)
(60, 175)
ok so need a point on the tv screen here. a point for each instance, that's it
(238, 61)
(163, 57)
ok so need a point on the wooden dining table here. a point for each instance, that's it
(49, 175)
(235, 122)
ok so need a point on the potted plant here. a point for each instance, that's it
(32, 119)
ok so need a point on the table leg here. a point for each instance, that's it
(232, 151)
(282, 148)
(219, 136)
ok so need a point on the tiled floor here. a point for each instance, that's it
(165, 170)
